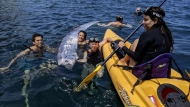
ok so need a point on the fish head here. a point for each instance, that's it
(68, 63)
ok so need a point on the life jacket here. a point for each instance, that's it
(159, 67)
(94, 57)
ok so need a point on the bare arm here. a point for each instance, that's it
(127, 25)
(103, 42)
(102, 24)
(87, 41)
(110, 23)
(84, 58)
(13, 60)
(49, 49)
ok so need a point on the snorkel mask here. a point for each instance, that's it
(94, 40)
(153, 14)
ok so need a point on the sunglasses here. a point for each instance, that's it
(94, 40)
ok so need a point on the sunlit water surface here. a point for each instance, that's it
(53, 87)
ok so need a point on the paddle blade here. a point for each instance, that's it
(88, 78)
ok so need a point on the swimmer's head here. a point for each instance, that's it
(119, 18)
(138, 9)
(36, 35)
(82, 33)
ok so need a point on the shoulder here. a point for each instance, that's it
(26, 51)
(151, 31)
(147, 35)
(45, 46)
(150, 34)
(111, 23)
(87, 41)
(33, 48)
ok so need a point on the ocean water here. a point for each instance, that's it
(20, 19)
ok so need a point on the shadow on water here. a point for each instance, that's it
(105, 95)
(102, 96)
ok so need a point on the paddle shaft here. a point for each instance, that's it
(126, 39)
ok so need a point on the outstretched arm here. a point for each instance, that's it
(102, 24)
(49, 49)
(103, 42)
(127, 25)
(13, 60)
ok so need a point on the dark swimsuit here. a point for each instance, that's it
(94, 58)
(34, 53)
(80, 50)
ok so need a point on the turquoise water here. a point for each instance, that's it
(20, 19)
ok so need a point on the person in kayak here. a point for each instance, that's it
(118, 23)
(36, 50)
(82, 43)
(155, 40)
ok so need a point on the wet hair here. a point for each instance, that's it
(85, 34)
(119, 18)
(36, 35)
(138, 9)
(157, 12)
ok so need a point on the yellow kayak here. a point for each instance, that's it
(157, 92)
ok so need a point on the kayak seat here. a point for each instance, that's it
(120, 53)
(159, 67)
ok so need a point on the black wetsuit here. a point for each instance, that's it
(151, 44)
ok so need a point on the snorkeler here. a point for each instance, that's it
(138, 12)
(92, 57)
(118, 23)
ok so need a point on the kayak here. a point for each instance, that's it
(155, 92)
